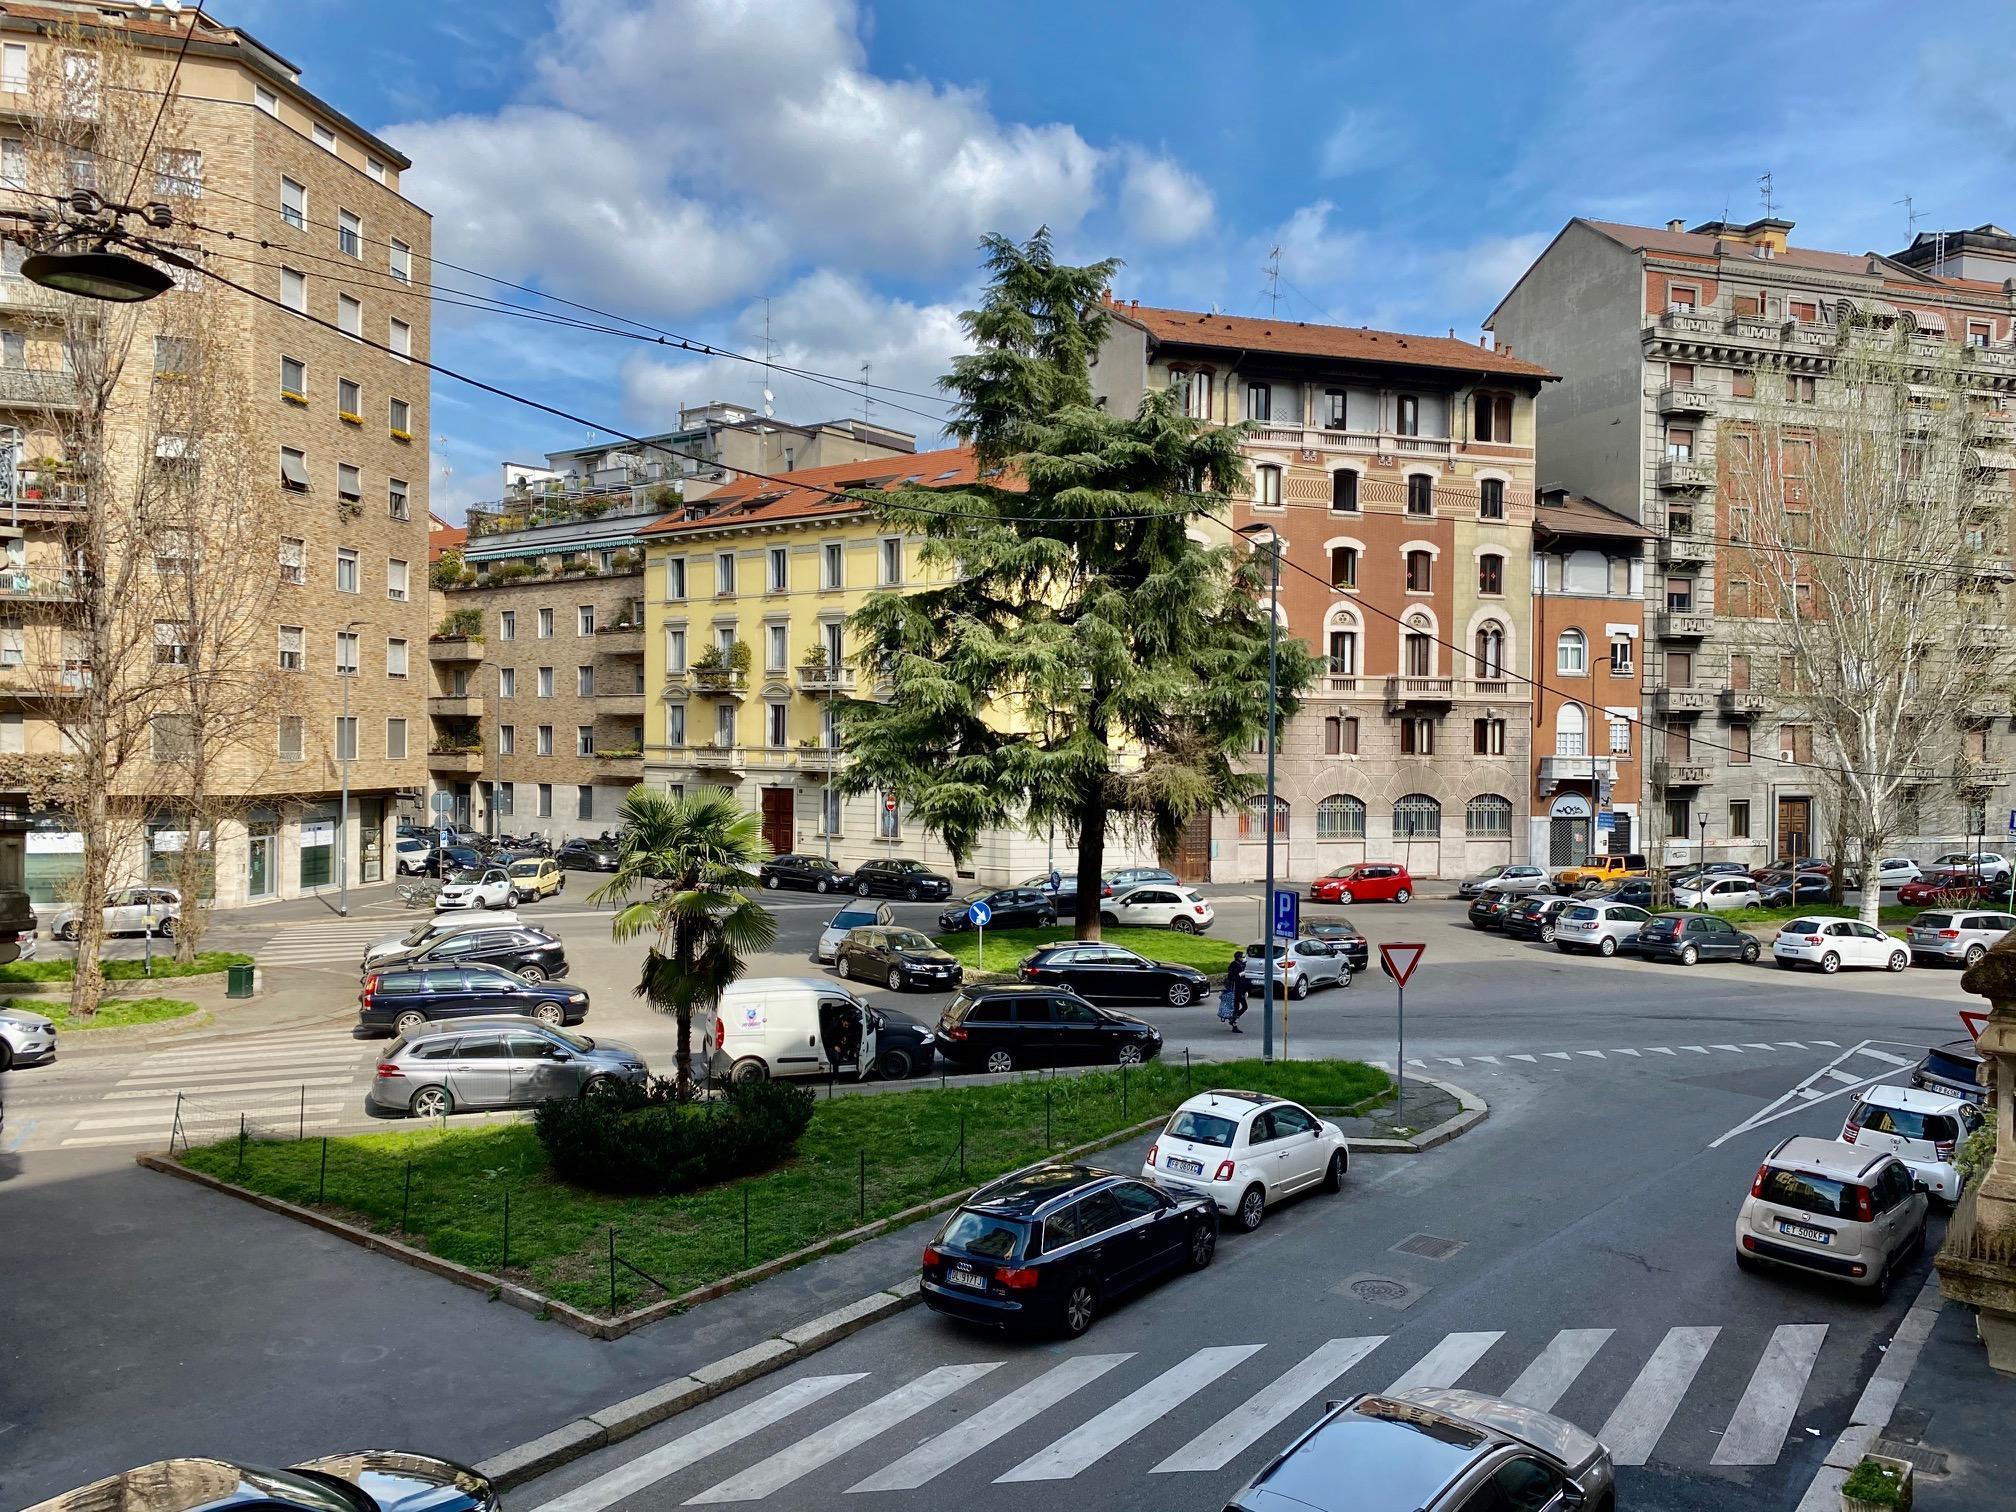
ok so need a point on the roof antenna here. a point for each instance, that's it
(769, 351)
(867, 402)
(1273, 272)
(1911, 217)
(1764, 193)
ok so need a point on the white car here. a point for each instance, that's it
(129, 910)
(1830, 944)
(1717, 893)
(1922, 1129)
(1518, 880)
(409, 855)
(26, 1039)
(428, 931)
(1895, 871)
(1159, 905)
(490, 887)
(1597, 926)
(1835, 1209)
(1246, 1151)
(1299, 965)
(1993, 866)
(853, 916)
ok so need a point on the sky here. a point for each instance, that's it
(826, 168)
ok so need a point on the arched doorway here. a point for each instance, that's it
(1568, 829)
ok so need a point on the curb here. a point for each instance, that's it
(1474, 1111)
(1878, 1400)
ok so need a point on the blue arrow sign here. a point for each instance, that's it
(1287, 912)
(980, 914)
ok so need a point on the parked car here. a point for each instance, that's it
(1518, 881)
(808, 873)
(1245, 1152)
(1922, 1129)
(1598, 926)
(403, 1000)
(1112, 974)
(900, 879)
(587, 855)
(445, 861)
(531, 953)
(1718, 893)
(1954, 1067)
(537, 877)
(1991, 867)
(1343, 934)
(1050, 1247)
(398, 1482)
(1367, 882)
(1637, 892)
(494, 1062)
(1597, 870)
(1299, 966)
(474, 887)
(27, 1038)
(127, 910)
(1532, 917)
(1782, 890)
(409, 855)
(1138, 876)
(1829, 944)
(1001, 1028)
(803, 1026)
(1829, 1208)
(1688, 938)
(1957, 935)
(1895, 871)
(901, 958)
(391, 946)
(1161, 905)
(1011, 907)
(852, 916)
(1949, 887)
(1469, 887)
(1438, 1449)
(1066, 890)
(1488, 909)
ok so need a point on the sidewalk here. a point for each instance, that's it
(1956, 1421)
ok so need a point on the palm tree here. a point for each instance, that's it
(684, 870)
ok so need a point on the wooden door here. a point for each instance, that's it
(1795, 828)
(1190, 857)
(779, 818)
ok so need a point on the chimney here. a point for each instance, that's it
(1676, 225)
(1134, 304)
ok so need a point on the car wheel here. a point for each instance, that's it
(512, 898)
(895, 978)
(1689, 955)
(1183, 924)
(895, 1065)
(552, 1015)
(1344, 896)
(751, 1070)
(846, 970)
(910, 893)
(431, 1102)
(1899, 960)
(532, 973)
(1546, 934)
(1081, 1306)
(1046, 920)
(1252, 1208)
(1607, 945)
(1000, 1062)
(1749, 1263)
(599, 1086)
(1300, 990)
(1402, 896)
(1830, 963)
(1974, 953)
(1333, 1175)
(822, 885)
(860, 889)
(1180, 994)
(69, 931)
(1107, 918)
(1751, 952)
(1129, 1055)
(6, 1055)
(409, 1022)
(1878, 1291)
(1203, 1245)
(771, 882)
(167, 929)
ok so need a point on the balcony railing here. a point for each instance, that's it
(1684, 472)
(21, 586)
(1676, 624)
(1688, 549)
(614, 705)
(456, 762)
(455, 648)
(1683, 700)
(1420, 690)
(44, 682)
(37, 389)
(1685, 399)
(724, 681)
(820, 677)
(1323, 437)
(1744, 701)
(1490, 687)
(817, 758)
(621, 761)
(709, 757)
(1687, 320)
(455, 705)
(1672, 774)
(1555, 770)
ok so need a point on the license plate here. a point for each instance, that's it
(966, 1279)
(1192, 1167)
(1801, 1231)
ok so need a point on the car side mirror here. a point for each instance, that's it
(1570, 1498)
(1919, 1184)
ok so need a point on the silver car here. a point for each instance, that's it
(1601, 927)
(1518, 881)
(26, 1039)
(1299, 966)
(860, 914)
(128, 910)
(503, 1062)
(429, 930)
(1960, 935)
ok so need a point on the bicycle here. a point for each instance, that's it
(414, 894)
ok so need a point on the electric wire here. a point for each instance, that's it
(166, 95)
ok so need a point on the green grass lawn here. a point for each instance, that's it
(207, 962)
(1007, 946)
(113, 1013)
(1890, 914)
(908, 1144)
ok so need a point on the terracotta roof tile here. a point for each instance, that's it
(449, 538)
(803, 494)
(1353, 343)
(1561, 513)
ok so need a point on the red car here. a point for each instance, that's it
(1367, 882)
(1948, 887)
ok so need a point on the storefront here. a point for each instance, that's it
(317, 854)
(370, 839)
(262, 854)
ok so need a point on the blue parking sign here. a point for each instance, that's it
(1287, 913)
(980, 914)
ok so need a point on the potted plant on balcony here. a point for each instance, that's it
(815, 657)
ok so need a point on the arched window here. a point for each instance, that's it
(1420, 572)
(1343, 566)
(1488, 817)
(1571, 731)
(1490, 649)
(1571, 652)
(1267, 485)
(1340, 817)
(1417, 650)
(1491, 573)
(1253, 820)
(1418, 817)
(1344, 491)
(1342, 646)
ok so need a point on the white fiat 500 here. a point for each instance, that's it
(1246, 1151)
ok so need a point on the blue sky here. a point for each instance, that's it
(679, 162)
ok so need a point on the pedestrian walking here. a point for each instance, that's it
(1056, 880)
(1231, 1001)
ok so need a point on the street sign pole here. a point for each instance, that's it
(1398, 961)
(980, 916)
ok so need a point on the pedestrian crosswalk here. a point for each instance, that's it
(1542, 1059)
(1037, 1417)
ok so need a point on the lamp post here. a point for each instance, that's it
(1273, 729)
(1595, 775)
(345, 751)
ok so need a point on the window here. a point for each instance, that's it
(1620, 735)
(776, 648)
(349, 234)
(349, 483)
(402, 261)
(346, 737)
(1800, 388)
(584, 740)
(832, 565)
(293, 648)
(346, 570)
(507, 682)
(291, 730)
(778, 560)
(675, 724)
(1491, 416)
(584, 619)
(349, 652)
(1739, 819)
(1682, 297)
(83, 169)
(1491, 499)
(1417, 653)
(1679, 443)
(294, 290)
(1267, 487)
(507, 740)
(266, 100)
(1679, 669)
(543, 626)
(1420, 494)
(507, 625)
(892, 560)
(1253, 818)
(1344, 491)
(14, 67)
(293, 560)
(1418, 816)
(545, 683)
(396, 502)
(395, 580)
(1343, 566)
(1795, 743)
(1340, 817)
(724, 725)
(178, 171)
(293, 374)
(1340, 735)
(1420, 572)
(675, 650)
(1620, 656)
(1259, 401)
(1407, 415)
(1487, 737)
(1490, 657)
(1679, 818)
(584, 682)
(350, 316)
(1417, 736)
(1679, 742)
(324, 137)
(545, 747)
(294, 204)
(399, 418)
(14, 175)
(1488, 817)
(1343, 653)
(395, 656)
(1491, 574)
(1679, 594)
(1571, 731)
(401, 341)
(175, 551)
(1742, 384)
(395, 739)
(775, 717)
(724, 574)
(584, 802)
(1979, 333)
(1805, 311)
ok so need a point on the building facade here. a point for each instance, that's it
(1665, 340)
(1398, 473)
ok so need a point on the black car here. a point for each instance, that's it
(1953, 1068)
(1807, 887)
(389, 1480)
(1341, 932)
(1691, 937)
(399, 1000)
(899, 957)
(1049, 1247)
(1532, 917)
(586, 855)
(1000, 1028)
(1637, 892)
(446, 860)
(1110, 974)
(1488, 909)
(812, 873)
(531, 953)
(1012, 908)
(904, 1047)
(900, 879)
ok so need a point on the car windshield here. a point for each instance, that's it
(909, 939)
(467, 876)
(1809, 1194)
(1905, 1123)
(984, 1234)
(1204, 1129)
(852, 918)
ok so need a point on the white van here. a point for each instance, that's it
(791, 1026)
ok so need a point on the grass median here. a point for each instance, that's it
(207, 963)
(1005, 947)
(862, 1158)
(113, 1013)
(1889, 914)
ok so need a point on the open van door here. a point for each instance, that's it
(847, 1035)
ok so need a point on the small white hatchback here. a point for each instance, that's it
(1922, 1129)
(1246, 1151)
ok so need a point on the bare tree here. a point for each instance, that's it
(1870, 500)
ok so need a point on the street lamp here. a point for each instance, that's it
(344, 754)
(1252, 532)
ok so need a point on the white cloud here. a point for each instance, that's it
(1358, 141)
(1314, 253)
(1483, 272)
(1160, 200)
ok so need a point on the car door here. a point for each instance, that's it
(1082, 1036)
(1159, 1238)
(1265, 1157)
(1875, 946)
(1132, 978)
(1313, 960)
(1303, 1156)
(486, 989)
(1112, 1248)
(541, 1069)
(1032, 1039)
(480, 1074)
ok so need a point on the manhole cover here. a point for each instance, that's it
(1380, 1291)
(1428, 1246)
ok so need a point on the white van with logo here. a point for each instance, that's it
(791, 1026)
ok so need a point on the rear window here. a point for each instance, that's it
(852, 918)
(1204, 1129)
(1809, 1194)
(1936, 1127)
(1582, 911)
(1804, 926)
(1933, 921)
(398, 983)
(1952, 1067)
(984, 1234)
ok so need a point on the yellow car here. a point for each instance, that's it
(1600, 871)
(537, 877)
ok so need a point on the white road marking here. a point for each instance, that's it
(1541, 1384)
(955, 1445)
(1531, 1061)
(1753, 1045)
(1489, 1060)
(1557, 1054)
(1091, 1441)
(1835, 1073)
(1732, 1049)
(1698, 1050)
(1830, 1044)
(1239, 1429)
(1662, 1050)
(1449, 1060)
(1445, 1364)
(1804, 1096)
(1634, 1426)
(1792, 1044)
(1882, 1055)
(1632, 1053)
(1598, 1054)
(1757, 1432)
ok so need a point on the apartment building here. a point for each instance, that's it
(325, 233)
(1589, 628)
(1398, 471)
(1665, 339)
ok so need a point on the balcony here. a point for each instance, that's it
(1329, 438)
(459, 762)
(717, 758)
(1555, 770)
(454, 648)
(1686, 550)
(818, 758)
(623, 763)
(1420, 692)
(1679, 774)
(620, 640)
(23, 587)
(1675, 624)
(1744, 701)
(31, 388)
(18, 296)
(1346, 682)
(818, 677)
(1680, 472)
(619, 705)
(1990, 637)
(1686, 320)
(456, 705)
(1685, 399)
(1683, 701)
(1490, 687)
(1991, 458)
(35, 684)
(721, 682)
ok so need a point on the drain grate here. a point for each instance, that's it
(1428, 1246)
(1929, 1461)
(1381, 1291)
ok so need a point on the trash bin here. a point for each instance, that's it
(237, 981)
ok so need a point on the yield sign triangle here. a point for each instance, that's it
(1398, 961)
(1974, 1021)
